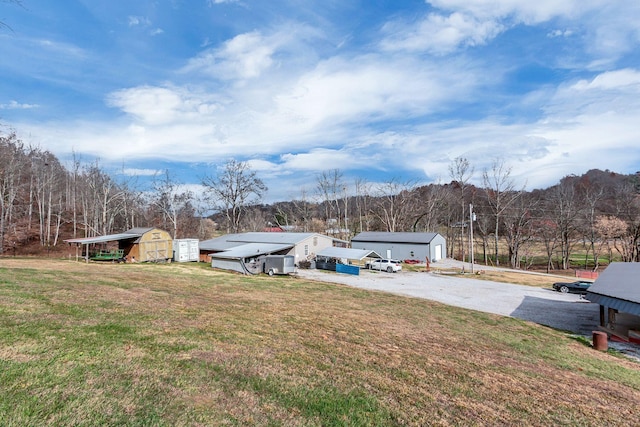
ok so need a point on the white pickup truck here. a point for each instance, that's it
(388, 265)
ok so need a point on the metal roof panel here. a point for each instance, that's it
(249, 250)
(348, 253)
(619, 280)
(103, 239)
(381, 236)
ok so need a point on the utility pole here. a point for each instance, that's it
(472, 217)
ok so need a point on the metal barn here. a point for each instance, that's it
(403, 246)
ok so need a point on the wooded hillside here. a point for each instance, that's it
(43, 202)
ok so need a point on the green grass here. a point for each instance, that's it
(182, 345)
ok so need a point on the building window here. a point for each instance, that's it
(315, 241)
(306, 250)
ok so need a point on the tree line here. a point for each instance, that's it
(596, 214)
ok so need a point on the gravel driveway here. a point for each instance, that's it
(544, 306)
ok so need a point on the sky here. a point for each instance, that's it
(381, 90)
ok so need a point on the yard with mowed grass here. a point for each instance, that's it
(186, 345)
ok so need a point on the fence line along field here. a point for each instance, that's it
(184, 345)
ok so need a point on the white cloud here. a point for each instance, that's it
(252, 55)
(619, 79)
(140, 172)
(440, 34)
(161, 106)
(138, 21)
(609, 28)
(344, 158)
(245, 56)
(368, 89)
(214, 2)
(560, 33)
(15, 105)
(525, 11)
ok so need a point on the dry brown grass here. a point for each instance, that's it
(183, 344)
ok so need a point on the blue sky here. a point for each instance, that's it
(381, 90)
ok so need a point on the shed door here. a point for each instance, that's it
(438, 252)
(388, 253)
(194, 251)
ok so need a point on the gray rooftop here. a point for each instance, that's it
(229, 241)
(248, 250)
(347, 253)
(618, 286)
(381, 236)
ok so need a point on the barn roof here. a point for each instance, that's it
(105, 238)
(618, 286)
(381, 236)
(139, 230)
(347, 253)
(133, 233)
(248, 250)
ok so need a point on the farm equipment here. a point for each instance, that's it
(114, 255)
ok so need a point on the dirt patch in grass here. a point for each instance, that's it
(188, 345)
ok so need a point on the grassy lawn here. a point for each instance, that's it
(184, 345)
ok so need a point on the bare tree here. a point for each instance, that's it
(363, 190)
(518, 228)
(12, 162)
(392, 204)
(501, 194)
(48, 179)
(101, 201)
(303, 210)
(254, 220)
(329, 188)
(169, 200)
(565, 207)
(232, 190)
(591, 194)
(627, 201)
(461, 171)
(427, 207)
(611, 231)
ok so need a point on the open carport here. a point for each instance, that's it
(339, 259)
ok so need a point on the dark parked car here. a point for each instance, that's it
(577, 287)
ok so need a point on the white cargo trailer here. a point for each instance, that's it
(279, 264)
(186, 250)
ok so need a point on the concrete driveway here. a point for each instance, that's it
(544, 306)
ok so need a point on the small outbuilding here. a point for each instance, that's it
(403, 246)
(186, 250)
(617, 291)
(138, 244)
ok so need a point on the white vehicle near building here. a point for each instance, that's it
(388, 265)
